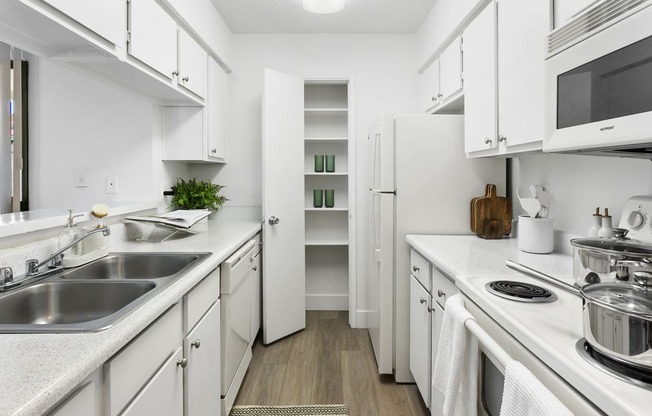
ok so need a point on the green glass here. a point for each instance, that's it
(330, 198)
(319, 163)
(318, 198)
(330, 163)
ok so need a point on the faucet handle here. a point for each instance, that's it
(56, 261)
(6, 275)
(31, 267)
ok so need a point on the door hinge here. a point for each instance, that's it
(128, 36)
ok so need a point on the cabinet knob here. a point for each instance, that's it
(502, 139)
(196, 344)
(441, 293)
(440, 95)
(175, 73)
(186, 78)
(434, 98)
(182, 363)
(487, 140)
(254, 268)
(422, 300)
(430, 309)
(213, 151)
(415, 269)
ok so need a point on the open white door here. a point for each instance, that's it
(284, 285)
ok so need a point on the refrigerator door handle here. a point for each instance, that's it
(374, 228)
(376, 163)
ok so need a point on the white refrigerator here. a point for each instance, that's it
(420, 183)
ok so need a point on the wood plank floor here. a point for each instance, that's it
(327, 363)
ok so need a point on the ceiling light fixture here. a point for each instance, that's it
(323, 6)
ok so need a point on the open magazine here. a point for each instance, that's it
(180, 218)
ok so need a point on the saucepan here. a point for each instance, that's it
(617, 316)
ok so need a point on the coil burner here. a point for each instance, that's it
(520, 292)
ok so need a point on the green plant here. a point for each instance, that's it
(194, 194)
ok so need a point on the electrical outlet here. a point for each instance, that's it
(81, 177)
(111, 184)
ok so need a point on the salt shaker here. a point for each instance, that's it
(606, 230)
(597, 223)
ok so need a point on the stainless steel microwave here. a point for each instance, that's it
(599, 81)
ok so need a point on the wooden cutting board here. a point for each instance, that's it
(492, 208)
(473, 224)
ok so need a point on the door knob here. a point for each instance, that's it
(273, 220)
(196, 344)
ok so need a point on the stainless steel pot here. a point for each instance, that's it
(603, 260)
(617, 317)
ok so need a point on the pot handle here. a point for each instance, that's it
(543, 277)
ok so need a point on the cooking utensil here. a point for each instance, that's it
(544, 199)
(617, 317)
(491, 208)
(530, 205)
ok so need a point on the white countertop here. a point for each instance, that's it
(38, 370)
(472, 262)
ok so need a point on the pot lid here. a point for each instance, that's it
(624, 246)
(622, 297)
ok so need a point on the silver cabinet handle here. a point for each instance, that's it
(415, 269)
(273, 220)
(422, 300)
(441, 293)
(254, 268)
(434, 98)
(487, 140)
(196, 344)
(502, 139)
(186, 78)
(175, 73)
(183, 363)
(430, 309)
(213, 151)
(440, 95)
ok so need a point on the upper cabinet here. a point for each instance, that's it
(193, 73)
(443, 80)
(503, 78)
(107, 18)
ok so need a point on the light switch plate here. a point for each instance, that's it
(81, 177)
(111, 184)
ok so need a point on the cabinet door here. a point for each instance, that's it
(521, 47)
(256, 295)
(451, 69)
(153, 36)
(107, 18)
(193, 64)
(216, 105)
(86, 400)
(284, 263)
(430, 85)
(480, 101)
(163, 394)
(202, 349)
(420, 303)
(436, 397)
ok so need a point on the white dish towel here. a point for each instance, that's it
(525, 395)
(456, 367)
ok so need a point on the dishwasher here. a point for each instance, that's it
(236, 290)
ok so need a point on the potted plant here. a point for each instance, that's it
(194, 194)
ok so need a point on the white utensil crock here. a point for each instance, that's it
(535, 235)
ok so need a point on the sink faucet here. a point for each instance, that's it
(32, 265)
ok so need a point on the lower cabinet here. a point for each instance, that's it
(436, 397)
(86, 400)
(420, 338)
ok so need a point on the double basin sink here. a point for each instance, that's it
(94, 296)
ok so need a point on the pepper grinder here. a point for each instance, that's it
(606, 230)
(597, 223)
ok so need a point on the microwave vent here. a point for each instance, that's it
(592, 20)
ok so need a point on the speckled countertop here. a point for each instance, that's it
(39, 370)
(463, 255)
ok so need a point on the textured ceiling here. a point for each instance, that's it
(358, 16)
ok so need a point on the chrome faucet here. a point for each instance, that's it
(32, 265)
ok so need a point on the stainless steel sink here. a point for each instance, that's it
(69, 306)
(92, 297)
(134, 266)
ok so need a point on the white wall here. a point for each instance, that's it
(79, 121)
(384, 70)
(580, 183)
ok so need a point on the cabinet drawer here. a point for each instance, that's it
(420, 268)
(128, 371)
(200, 298)
(163, 395)
(442, 287)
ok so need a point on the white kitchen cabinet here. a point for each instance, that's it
(436, 397)
(450, 69)
(503, 78)
(480, 102)
(198, 134)
(202, 373)
(153, 37)
(256, 304)
(86, 400)
(107, 18)
(193, 68)
(163, 393)
(431, 86)
(420, 337)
